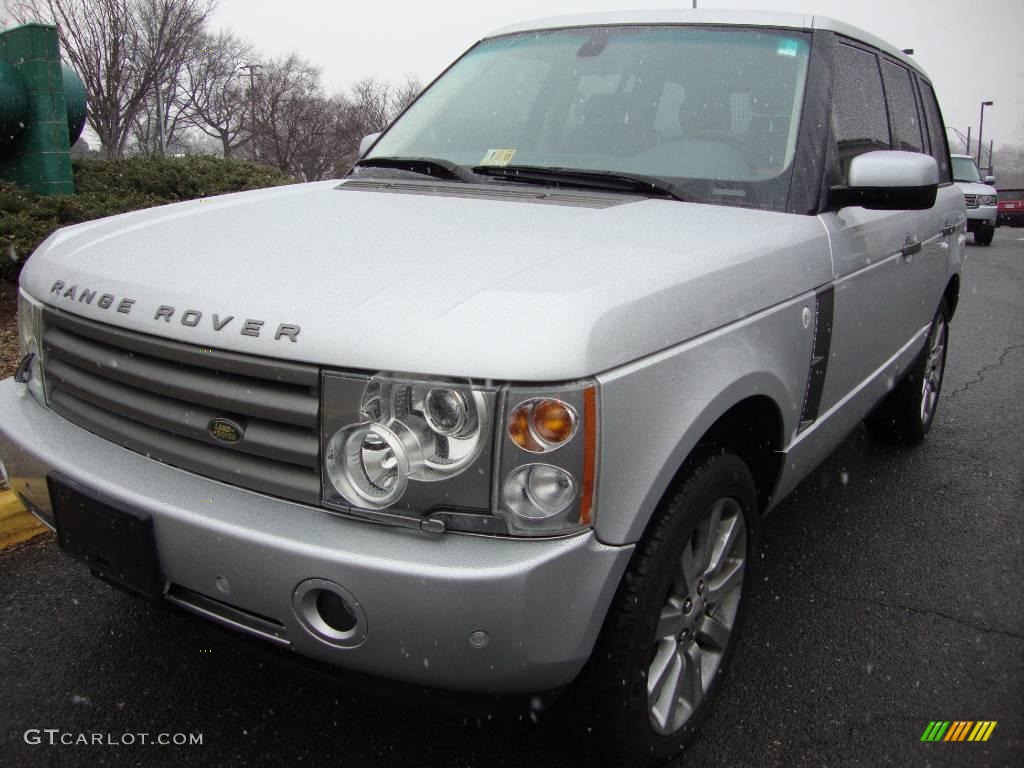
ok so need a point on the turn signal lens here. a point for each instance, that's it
(519, 429)
(539, 426)
(553, 421)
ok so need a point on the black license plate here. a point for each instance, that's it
(115, 541)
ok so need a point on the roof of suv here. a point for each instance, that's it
(709, 16)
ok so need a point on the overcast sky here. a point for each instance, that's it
(972, 49)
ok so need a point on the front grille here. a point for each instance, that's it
(158, 397)
(971, 201)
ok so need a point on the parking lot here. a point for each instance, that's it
(890, 592)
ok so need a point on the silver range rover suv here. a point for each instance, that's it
(501, 410)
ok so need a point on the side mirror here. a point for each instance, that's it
(890, 180)
(990, 180)
(367, 142)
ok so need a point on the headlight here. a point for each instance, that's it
(549, 460)
(423, 453)
(392, 442)
(987, 199)
(30, 328)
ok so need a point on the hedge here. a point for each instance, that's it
(108, 187)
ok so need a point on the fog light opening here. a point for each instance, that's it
(333, 611)
(330, 612)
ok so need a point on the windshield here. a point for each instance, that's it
(714, 109)
(964, 169)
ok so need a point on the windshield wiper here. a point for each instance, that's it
(427, 166)
(614, 180)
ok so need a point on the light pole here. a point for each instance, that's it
(981, 127)
(254, 71)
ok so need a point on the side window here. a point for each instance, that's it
(906, 122)
(858, 109)
(936, 131)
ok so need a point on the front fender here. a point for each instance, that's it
(654, 411)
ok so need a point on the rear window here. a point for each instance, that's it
(906, 121)
(936, 131)
(1011, 194)
(858, 112)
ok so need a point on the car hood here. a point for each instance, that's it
(975, 188)
(442, 279)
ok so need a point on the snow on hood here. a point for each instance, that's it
(431, 284)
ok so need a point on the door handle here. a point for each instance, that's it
(948, 230)
(911, 247)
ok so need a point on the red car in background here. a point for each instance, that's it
(1010, 211)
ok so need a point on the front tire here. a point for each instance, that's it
(906, 414)
(984, 235)
(673, 625)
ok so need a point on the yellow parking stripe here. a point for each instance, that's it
(17, 524)
(988, 731)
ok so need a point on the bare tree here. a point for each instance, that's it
(403, 95)
(214, 85)
(288, 105)
(371, 106)
(124, 51)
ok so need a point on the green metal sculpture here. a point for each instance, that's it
(42, 110)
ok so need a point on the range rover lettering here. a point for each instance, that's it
(589, 309)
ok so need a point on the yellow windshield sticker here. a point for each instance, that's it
(498, 157)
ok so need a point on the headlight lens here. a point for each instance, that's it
(30, 326)
(447, 413)
(538, 491)
(388, 432)
(987, 199)
(369, 464)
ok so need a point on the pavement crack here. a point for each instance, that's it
(985, 629)
(980, 375)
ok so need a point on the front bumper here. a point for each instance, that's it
(541, 602)
(982, 216)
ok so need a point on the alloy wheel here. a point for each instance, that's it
(698, 616)
(932, 379)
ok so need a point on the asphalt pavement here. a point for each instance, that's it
(889, 593)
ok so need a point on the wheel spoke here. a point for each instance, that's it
(713, 634)
(724, 542)
(689, 567)
(671, 620)
(677, 690)
(665, 701)
(659, 671)
(693, 679)
(725, 581)
(706, 535)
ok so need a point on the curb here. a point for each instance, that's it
(17, 524)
